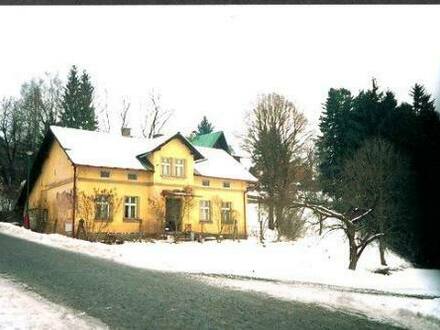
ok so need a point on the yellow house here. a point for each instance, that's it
(121, 184)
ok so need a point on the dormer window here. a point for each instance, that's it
(179, 168)
(166, 166)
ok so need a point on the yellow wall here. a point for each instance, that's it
(148, 187)
(55, 179)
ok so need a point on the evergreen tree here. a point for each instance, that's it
(426, 156)
(77, 102)
(346, 124)
(70, 116)
(87, 112)
(334, 144)
(205, 127)
(422, 102)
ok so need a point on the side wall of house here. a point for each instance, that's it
(52, 190)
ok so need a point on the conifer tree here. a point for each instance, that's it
(87, 110)
(334, 143)
(204, 127)
(77, 102)
(70, 100)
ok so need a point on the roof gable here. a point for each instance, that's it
(196, 154)
(212, 140)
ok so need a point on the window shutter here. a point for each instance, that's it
(209, 210)
(110, 209)
(137, 207)
(200, 211)
(96, 209)
(184, 168)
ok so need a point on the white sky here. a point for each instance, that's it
(215, 60)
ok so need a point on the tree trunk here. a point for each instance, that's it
(320, 225)
(353, 258)
(353, 251)
(271, 223)
(383, 262)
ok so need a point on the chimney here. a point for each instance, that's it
(125, 131)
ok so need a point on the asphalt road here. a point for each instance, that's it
(126, 297)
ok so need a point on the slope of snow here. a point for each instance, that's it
(23, 309)
(402, 312)
(317, 259)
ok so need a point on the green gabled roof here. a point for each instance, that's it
(207, 140)
(212, 140)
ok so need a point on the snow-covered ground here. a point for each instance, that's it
(23, 309)
(319, 261)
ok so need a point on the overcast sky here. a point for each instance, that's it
(216, 60)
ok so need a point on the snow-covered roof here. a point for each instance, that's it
(115, 151)
(219, 164)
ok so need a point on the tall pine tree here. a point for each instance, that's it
(70, 101)
(334, 144)
(87, 113)
(77, 102)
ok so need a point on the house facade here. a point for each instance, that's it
(120, 184)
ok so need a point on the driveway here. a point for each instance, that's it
(126, 297)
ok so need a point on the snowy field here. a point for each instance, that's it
(23, 309)
(312, 269)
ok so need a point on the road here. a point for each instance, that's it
(125, 297)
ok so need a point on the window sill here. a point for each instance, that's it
(172, 177)
(134, 220)
(205, 221)
(102, 220)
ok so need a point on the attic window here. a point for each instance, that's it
(205, 183)
(105, 174)
(132, 176)
(226, 184)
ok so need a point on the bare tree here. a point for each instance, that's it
(124, 113)
(103, 114)
(349, 222)
(155, 117)
(12, 141)
(97, 210)
(187, 203)
(378, 177)
(158, 208)
(277, 139)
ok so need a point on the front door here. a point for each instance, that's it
(172, 213)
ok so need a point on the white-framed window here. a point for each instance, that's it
(226, 209)
(166, 166)
(132, 176)
(130, 207)
(102, 203)
(105, 174)
(226, 184)
(179, 168)
(205, 183)
(205, 211)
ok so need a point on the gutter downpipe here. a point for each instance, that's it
(244, 212)
(74, 201)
